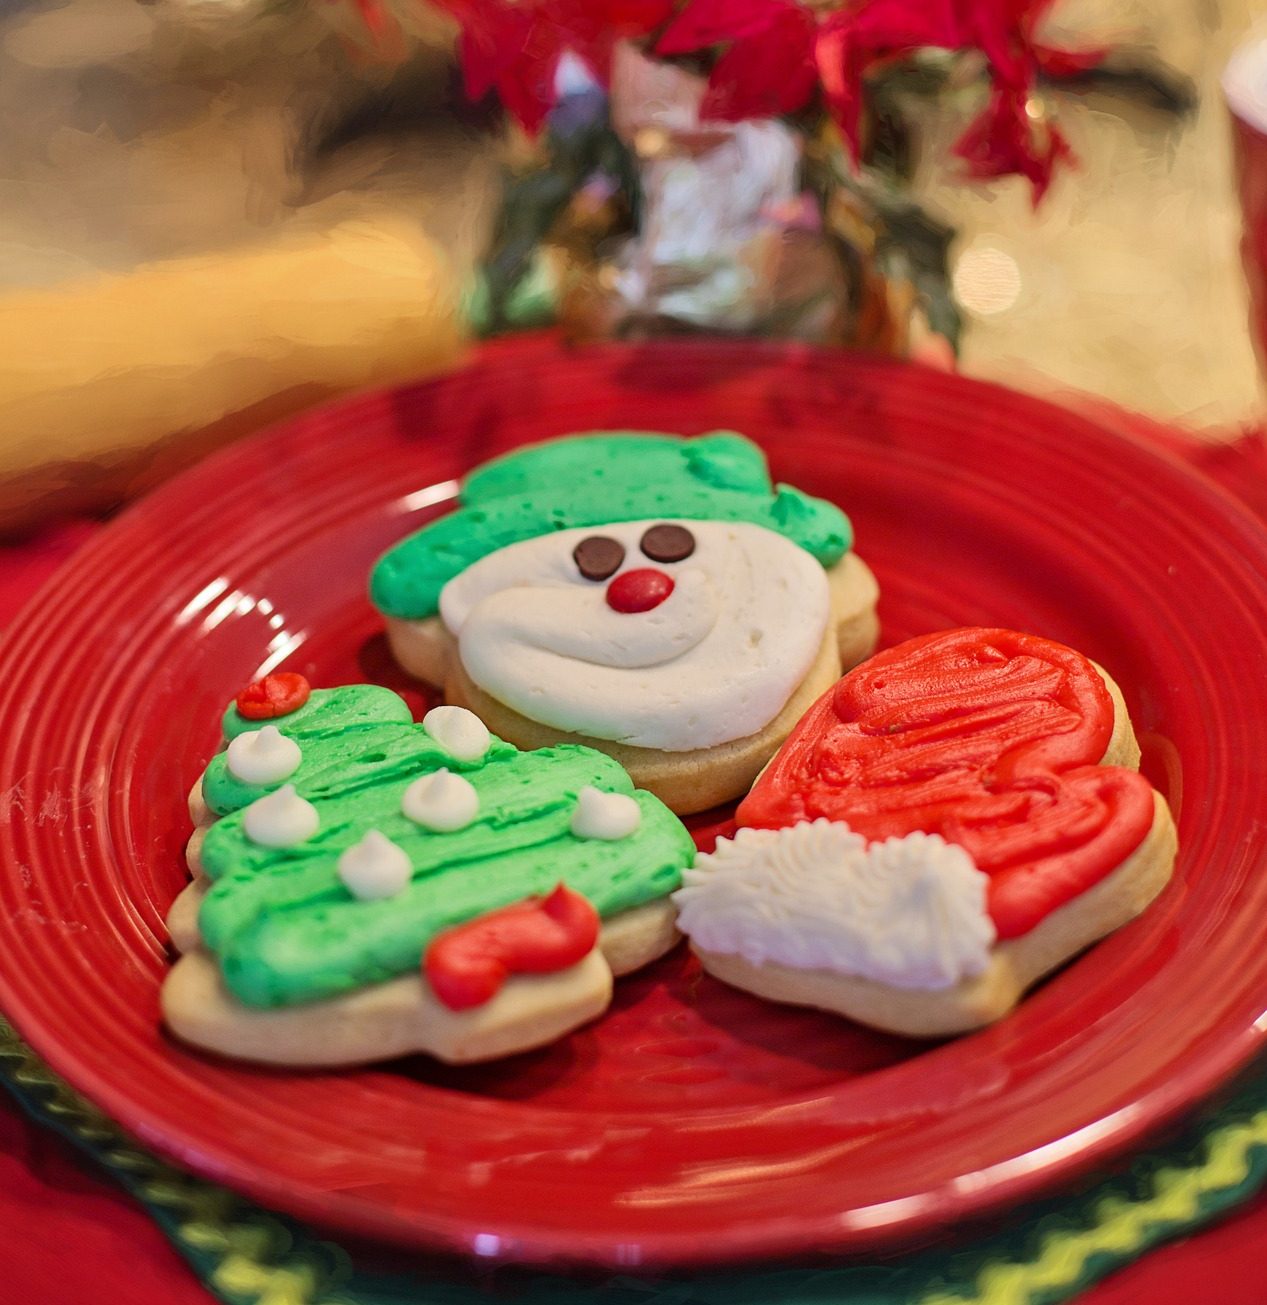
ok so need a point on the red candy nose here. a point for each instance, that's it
(638, 591)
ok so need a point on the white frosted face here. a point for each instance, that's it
(715, 661)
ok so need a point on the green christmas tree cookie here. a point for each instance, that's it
(356, 857)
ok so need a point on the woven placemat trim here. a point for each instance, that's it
(248, 1256)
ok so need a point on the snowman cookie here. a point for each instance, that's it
(367, 887)
(954, 819)
(652, 596)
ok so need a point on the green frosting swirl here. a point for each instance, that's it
(286, 930)
(600, 479)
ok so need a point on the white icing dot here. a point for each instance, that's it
(442, 802)
(608, 816)
(459, 732)
(280, 819)
(262, 756)
(375, 868)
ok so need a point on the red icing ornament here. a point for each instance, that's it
(467, 965)
(639, 590)
(989, 738)
(273, 696)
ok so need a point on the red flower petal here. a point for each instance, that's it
(713, 22)
(526, 86)
(840, 69)
(761, 77)
(515, 47)
(485, 55)
(1003, 140)
(887, 27)
(636, 16)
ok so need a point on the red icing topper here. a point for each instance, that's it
(639, 590)
(467, 965)
(274, 695)
(987, 737)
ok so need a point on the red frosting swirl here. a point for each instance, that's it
(989, 738)
(467, 965)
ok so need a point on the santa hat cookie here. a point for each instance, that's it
(653, 596)
(954, 819)
(367, 887)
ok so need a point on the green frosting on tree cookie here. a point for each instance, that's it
(287, 930)
(348, 723)
(599, 479)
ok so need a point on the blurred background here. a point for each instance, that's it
(215, 212)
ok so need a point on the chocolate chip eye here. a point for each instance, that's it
(668, 543)
(598, 556)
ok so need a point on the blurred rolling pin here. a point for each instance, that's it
(110, 384)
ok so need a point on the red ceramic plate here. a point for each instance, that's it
(692, 1123)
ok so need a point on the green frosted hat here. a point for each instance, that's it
(600, 479)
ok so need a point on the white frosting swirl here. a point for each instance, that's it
(375, 867)
(715, 661)
(262, 756)
(441, 802)
(606, 816)
(908, 912)
(280, 819)
(459, 732)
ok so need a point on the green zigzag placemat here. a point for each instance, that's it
(248, 1256)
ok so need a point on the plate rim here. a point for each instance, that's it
(1129, 1124)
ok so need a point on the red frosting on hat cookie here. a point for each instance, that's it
(989, 738)
(467, 965)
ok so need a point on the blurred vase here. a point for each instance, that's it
(675, 224)
(726, 241)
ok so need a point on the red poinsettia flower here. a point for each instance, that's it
(514, 46)
(785, 49)
(777, 53)
(776, 56)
